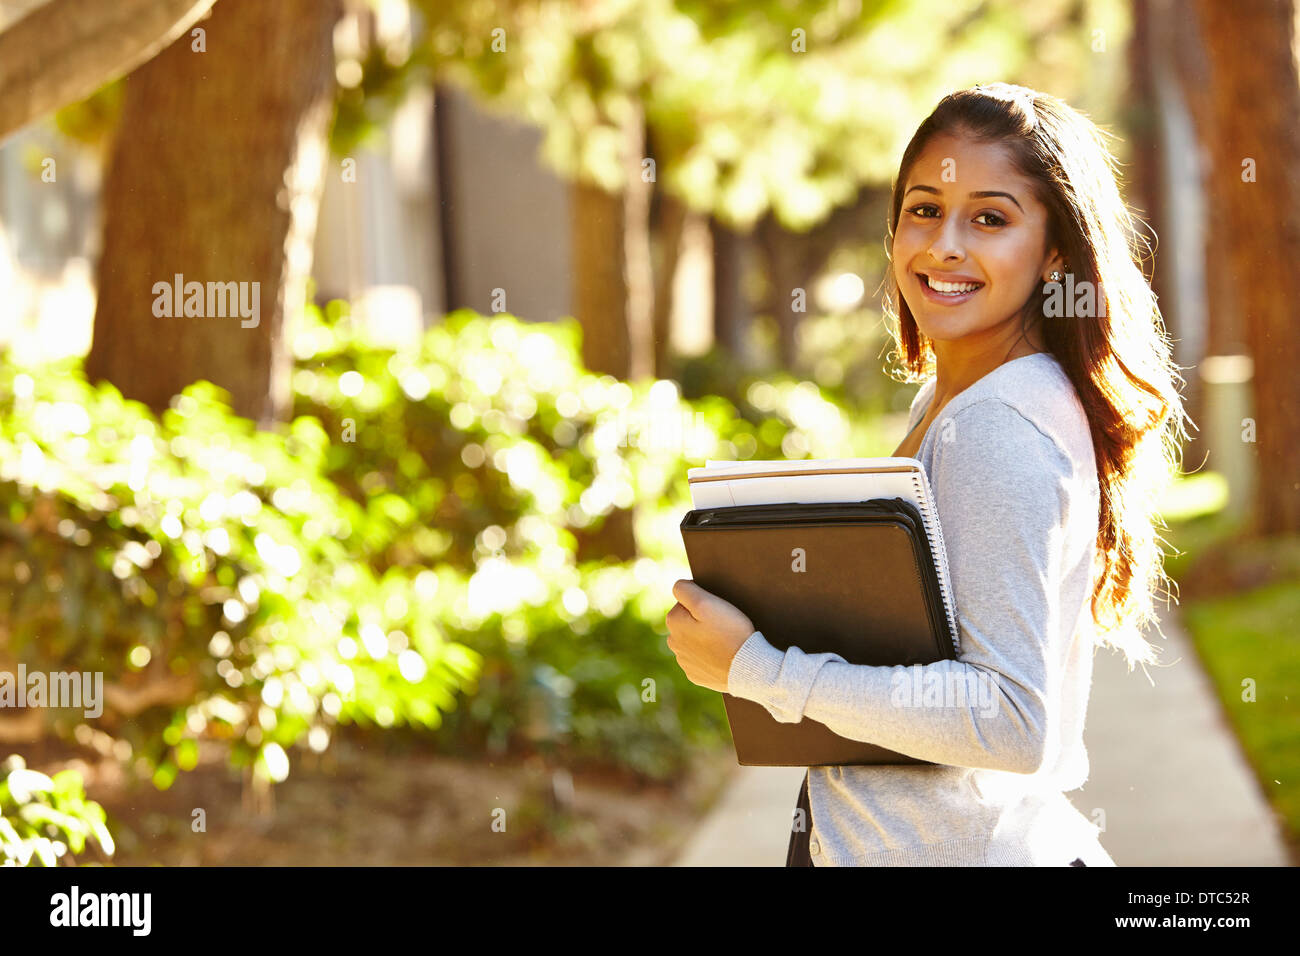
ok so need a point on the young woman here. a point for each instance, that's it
(1047, 421)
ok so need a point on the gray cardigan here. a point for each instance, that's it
(1010, 461)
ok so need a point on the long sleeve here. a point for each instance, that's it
(1003, 490)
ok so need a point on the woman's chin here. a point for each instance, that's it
(946, 325)
(940, 331)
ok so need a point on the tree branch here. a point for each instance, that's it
(64, 50)
(171, 690)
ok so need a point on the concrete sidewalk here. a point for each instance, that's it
(1166, 772)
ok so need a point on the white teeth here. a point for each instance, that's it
(951, 288)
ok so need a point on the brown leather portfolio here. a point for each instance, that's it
(855, 578)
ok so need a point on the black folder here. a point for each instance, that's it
(856, 578)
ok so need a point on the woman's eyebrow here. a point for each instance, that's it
(980, 194)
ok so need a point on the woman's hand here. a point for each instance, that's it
(705, 632)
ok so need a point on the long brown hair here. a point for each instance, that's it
(1119, 361)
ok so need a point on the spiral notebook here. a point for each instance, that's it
(722, 484)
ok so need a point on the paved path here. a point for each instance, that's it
(1167, 772)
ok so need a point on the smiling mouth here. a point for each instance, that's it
(951, 290)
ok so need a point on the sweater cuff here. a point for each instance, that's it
(754, 669)
(780, 681)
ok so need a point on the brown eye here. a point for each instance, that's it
(1000, 221)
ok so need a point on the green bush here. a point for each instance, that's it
(410, 539)
(500, 446)
(45, 819)
(210, 572)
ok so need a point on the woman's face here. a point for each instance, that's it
(967, 217)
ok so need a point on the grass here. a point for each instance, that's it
(1250, 646)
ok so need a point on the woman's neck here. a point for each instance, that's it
(960, 364)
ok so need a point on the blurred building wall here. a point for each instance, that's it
(452, 206)
(505, 215)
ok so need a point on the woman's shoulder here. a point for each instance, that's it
(1042, 392)
(920, 401)
(1030, 401)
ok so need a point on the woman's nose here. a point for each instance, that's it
(947, 244)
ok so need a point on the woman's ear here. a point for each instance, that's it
(1056, 262)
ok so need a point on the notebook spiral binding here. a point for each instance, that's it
(935, 532)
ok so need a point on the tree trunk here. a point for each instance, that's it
(1146, 182)
(1224, 334)
(613, 301)
(613, 286)
(638, 266)
(672, 220)
(1255, 101)
(64, 50)
(600, 300)
(793, 261)
(215, 177)
(786, 272)
(1162, 178)
(599, 284)
(729, 307)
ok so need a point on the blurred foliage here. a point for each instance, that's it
(488, 449)
(843, 354)
(750, 107)
(375, 70)
(408, 539)
(212, 574)
(769, 105)
(44, 820)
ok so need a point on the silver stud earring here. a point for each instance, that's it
(1056, 277)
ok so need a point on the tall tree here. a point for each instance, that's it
(215, 177)
(613, 291)
(667, 227)
(1253, 139)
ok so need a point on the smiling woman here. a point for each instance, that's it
(967, 259)
(1056, 432)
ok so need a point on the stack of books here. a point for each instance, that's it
(842, 555)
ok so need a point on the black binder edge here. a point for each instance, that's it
(740, 517)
